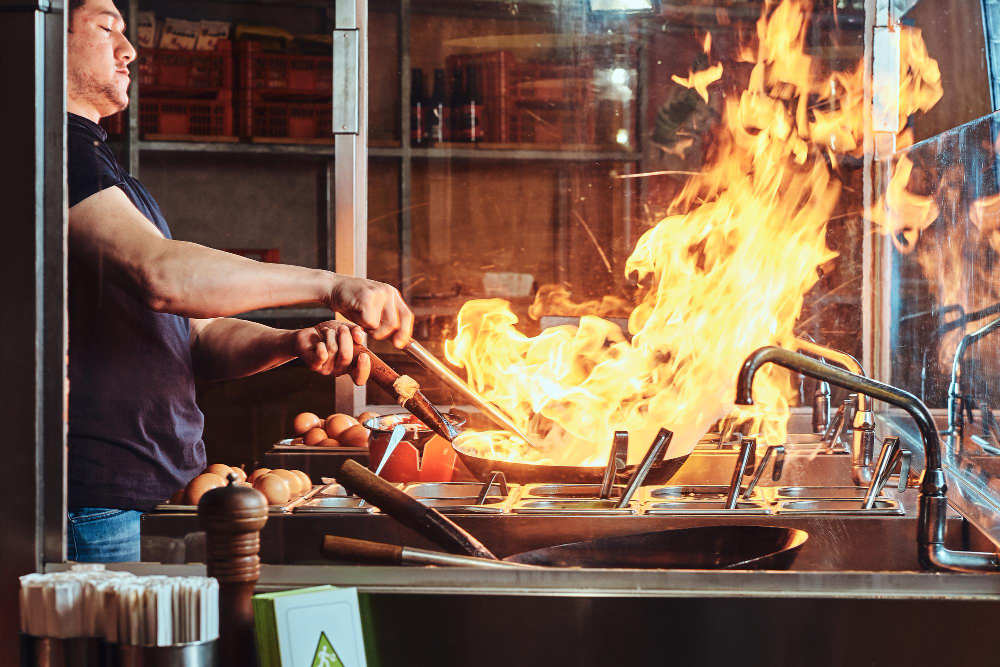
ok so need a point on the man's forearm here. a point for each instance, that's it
(196, 281)
(226, 348)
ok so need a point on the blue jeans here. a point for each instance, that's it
(101, 535)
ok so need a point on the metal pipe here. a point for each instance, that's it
(956, 423)
(434, 366)
(933, 504)
(863, 426)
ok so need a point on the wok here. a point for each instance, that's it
(703, 548)
(528, 473)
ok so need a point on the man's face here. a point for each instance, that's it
(97, 59)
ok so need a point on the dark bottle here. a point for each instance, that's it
(471, 121)
(457, 93)
(439, 111)
(418, 109)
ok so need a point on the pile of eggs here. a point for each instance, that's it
(337, 430)
(278, 485)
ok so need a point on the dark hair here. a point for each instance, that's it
(75, 4)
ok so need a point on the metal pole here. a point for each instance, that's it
(32, 393)
(350, 125)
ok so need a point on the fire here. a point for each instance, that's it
(701, 79)
(902, 213)
(725, 276)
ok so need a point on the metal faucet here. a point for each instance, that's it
(956, 420)
(863, 434)
(892, 455)
(931, 552)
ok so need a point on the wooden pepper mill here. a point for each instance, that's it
(232, 517)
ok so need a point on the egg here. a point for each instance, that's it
(197, 487)
(240, 473)
(337, 424)
(176, 498)
(274, 488)
(222, 471)
(259, 472)
(294, 483)
(355, 436)
(365, 416)
(328, 442)
(306, 482)
(313, 436)
(305, 421)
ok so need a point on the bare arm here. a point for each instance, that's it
(109, 233)
(224, 348)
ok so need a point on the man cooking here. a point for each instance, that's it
(147, 314)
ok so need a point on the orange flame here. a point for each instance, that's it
(702, 79)
(723, 278)
(900, 212)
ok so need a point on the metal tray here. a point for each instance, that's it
(333, 490)
(449, 490)
(578, 491)
(574, 507)
(286, 445)
(271, 509)
(823, 493)
(839, 507)
(716, 508)
(329, 505)
(689, 493)
(493, 505)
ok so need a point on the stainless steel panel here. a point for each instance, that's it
(573, 507)
(683, 508)
(694, 493)
(464, 505)
(334, 505)
(449, 490)
(580, 491)
(345, 81)
(841, 507)
(823, 492)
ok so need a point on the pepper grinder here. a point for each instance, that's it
(232, 517)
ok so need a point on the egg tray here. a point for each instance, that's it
(271, 509)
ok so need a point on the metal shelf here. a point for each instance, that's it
(237, 148)
(325, 151)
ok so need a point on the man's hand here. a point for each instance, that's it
(375, 306)
(328, 348)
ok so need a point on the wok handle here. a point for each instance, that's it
(347, 548)
(385, 377)
(362, 551)
(425, 521)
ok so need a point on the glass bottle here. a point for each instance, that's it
(439, 111)
(418, 109)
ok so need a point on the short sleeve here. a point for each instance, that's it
(89, 169)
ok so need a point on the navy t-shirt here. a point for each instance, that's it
(134, 427)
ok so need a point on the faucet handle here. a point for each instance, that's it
(776, 468)
(747, 449)
(905, 458)
(883, 469)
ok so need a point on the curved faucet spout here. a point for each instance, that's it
(933, 491)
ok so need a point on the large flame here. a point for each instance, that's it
(723, 278)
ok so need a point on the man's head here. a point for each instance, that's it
(97, 59)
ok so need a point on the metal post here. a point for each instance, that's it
(32, 393)
(350, 125)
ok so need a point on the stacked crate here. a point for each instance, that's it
(284, 95)
(186, 94)
(553, 103)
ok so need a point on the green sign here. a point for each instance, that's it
(326, 656)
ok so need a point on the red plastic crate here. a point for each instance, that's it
(288, 120)
(268, 76)
(114, 124)
(184, 117)
(494, 73)
(186, 73)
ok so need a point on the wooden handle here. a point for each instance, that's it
(385, 377)
(424, 520)
(362, 551)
